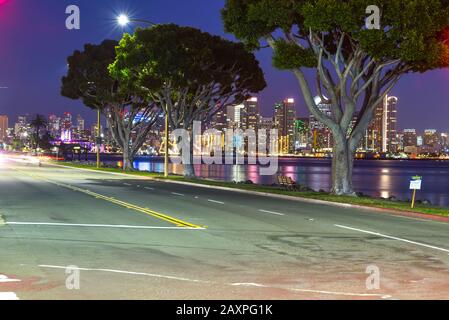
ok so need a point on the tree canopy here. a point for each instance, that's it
(182, 64)
(127, 111)
(189, 73)
(413, 31)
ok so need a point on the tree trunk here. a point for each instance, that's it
(342, 164)
(128, 159)
(189, 169)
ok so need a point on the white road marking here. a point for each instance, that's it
(272, 212)
(214, 201)
(8, 296)
(127, 184)
(248, 284)
(393, 238)
(99, 226)
(177, 194)
(148, 188)
(353, 294)
(127, 272)
(251, 284)
(4, 279)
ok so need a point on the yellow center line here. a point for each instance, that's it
(161, 216)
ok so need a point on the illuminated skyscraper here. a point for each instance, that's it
(66, 127)
(252, 113)
(284, 118)
(321, 136)
(219, 120)
(381, 135)
(3, 128)
(389, 135)
(410, 139)
(54, 126)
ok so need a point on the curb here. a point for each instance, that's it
(394, 212)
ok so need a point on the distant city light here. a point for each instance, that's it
(290, 100)
(253, 99)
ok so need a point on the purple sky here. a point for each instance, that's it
(34, 44)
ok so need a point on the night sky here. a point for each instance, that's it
(34, 44)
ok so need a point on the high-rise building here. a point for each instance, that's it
(431, 141)
(252, 113)
(266, 123)
(219, 120)
(430, 137)
(80, 123)
(410, 138)
(284, 118)
(301, 133)
(236, 116)
(390, 143)
(3, 128)
(381, 135)
(242, 116)
(445, 141)
(21, 127)
(66, 127)
(54, 126)
(410, 141)
(320, 135)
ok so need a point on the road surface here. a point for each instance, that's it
(74, 234)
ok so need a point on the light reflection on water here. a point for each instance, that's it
(377, 178)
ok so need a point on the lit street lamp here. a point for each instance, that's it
(123, 20)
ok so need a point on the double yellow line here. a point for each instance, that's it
(161, 216)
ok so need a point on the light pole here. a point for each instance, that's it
(98, 137)
(124, 20)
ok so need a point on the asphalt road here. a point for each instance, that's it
(132, 238)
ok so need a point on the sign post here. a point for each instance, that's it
(415, 184)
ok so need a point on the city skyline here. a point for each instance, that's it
(296, 135)
(423, 96)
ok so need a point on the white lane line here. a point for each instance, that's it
(127, 184)
(353, 294)
(148, 188)
(214, 201)
(249, 284)
(393, 238)
(177, 194)
(127, 272)
(272, 212)
(98, 226)
(4, 279)
(8, 296)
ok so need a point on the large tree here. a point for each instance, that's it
(355, 67)
(187, 72)
(130, 114)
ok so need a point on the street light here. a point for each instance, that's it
(123, 20)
